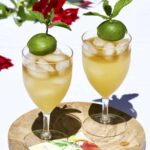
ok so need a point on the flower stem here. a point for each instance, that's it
(46, 28)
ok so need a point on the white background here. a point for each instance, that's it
(14, 99)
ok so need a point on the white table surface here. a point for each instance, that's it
(13, 96)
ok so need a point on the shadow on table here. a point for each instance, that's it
(62, 120)
(119, 106)
(123, 103)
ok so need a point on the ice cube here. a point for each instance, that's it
(37, 72)
(109, 49)
(122, 45)
(60, 66)
(30, 58)
(88, 49)
(54, 57)
(98, 42)
(45, 65)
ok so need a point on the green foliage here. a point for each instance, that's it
(119, 5)
(60, 24)
(22, 12)
(37, 16)
(111, 13)
(30, 3)
(95, 14)
(51, 15)
(5, 11)
(107, 8)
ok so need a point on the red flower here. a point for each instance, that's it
(57, 5)
(65, 15)
(5, 63)
(41, 6)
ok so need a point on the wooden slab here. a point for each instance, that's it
(68, 118)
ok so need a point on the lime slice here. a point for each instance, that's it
(111, 30)
(42, 44)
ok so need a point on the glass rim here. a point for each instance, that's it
(65, 45)
(92, 30)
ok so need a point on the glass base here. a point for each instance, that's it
(38, 136)
(115, 126)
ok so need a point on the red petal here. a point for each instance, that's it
(5, 63)
(57, 5)
(42, 6)
(69, 15)
(57, 17)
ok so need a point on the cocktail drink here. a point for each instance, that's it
(105, 63)
(47, 79)
(106, 60)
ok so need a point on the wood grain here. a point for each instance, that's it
(68, 118)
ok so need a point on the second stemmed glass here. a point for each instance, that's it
(47, 79)
(106, 65)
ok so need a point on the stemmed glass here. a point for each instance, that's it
(47, 79)
(106, 65)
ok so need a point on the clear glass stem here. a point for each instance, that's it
(105, 117)
(46, 135)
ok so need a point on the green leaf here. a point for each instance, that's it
(24, 14)
(31, 2)
(60, 24)
(37, 16)
(13, 1)
(105, 3)
(18, 21)
(118, 7)
(107, 8)
(51, 16)
(5, 11)
(96, 14)
(2, 7)
(21, 13)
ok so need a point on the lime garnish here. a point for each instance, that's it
(42, 44)
(111, 30)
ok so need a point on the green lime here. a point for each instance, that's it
(42, 44)
(111, 30)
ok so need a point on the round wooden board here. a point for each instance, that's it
(68, 118)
